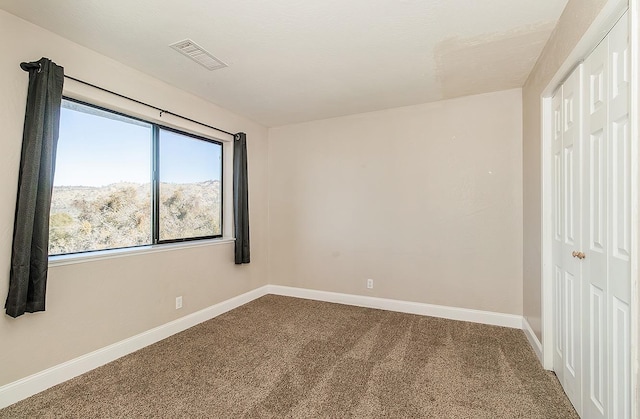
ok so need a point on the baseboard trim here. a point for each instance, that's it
(33, 384)
(533, 339)
(453, 313)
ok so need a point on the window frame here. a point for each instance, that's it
(155, 167)
(154, 180)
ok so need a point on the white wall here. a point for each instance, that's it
(94, 304)
(426, 200)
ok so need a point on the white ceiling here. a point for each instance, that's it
(292, 61)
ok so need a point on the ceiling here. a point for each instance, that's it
(292, 61)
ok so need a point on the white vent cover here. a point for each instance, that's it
(198, 54)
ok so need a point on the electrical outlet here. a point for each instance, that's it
(370, 283)
(178, 302)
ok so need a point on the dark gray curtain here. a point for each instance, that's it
(241, 198)
(29, 257)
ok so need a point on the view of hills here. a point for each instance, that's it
(120, 215)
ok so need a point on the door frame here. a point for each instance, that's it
(609, 14)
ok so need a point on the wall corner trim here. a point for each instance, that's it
(533, 339)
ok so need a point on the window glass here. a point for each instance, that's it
(190, 171)
(102, 183)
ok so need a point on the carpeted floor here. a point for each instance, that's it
(287, 357)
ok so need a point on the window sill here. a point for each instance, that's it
(142, 250)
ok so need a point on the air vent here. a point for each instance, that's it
(198, 54)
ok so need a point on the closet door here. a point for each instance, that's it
(606, 228)
(557, 237)
(571, 280)
(619, 262)
(594, 273)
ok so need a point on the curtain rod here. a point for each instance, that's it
(162, 111)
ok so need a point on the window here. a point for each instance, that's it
(190, 174)
(105, 195)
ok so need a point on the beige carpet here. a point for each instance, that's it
(287, 357)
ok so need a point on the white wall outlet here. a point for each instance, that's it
(370, 283)
(178, 302)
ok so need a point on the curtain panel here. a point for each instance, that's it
(241, 199)
(30, 255)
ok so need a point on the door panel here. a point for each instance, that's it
(621, 173)
(557, 206)
(619, 266)
(596, 350)
(620, 360)
(572, 235)
(559, 319)
(595, 206)
(595, 227)
(570, 221)
(571, 331)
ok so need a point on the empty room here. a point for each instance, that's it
(367, 208)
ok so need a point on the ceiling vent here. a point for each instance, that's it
(198, 54)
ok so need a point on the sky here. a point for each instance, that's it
(97, 150)
(184, 159)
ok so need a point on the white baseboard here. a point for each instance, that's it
(33, 384)
(533, 339)
(453, 313)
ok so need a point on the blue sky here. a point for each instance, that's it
(97, 151)
(185, 159)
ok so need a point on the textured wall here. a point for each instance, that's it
(426, 200)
